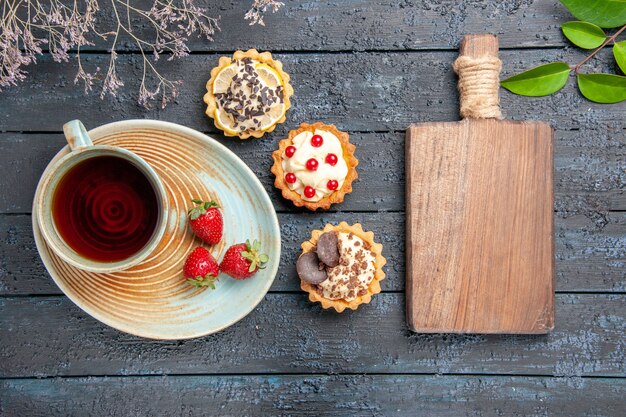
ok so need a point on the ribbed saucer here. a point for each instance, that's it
(152, 299)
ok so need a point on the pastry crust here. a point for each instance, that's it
(379, 275)
(266, 58)
(348, 155)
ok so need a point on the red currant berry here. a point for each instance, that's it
(312, 164)
(290, 177)
(331, 159)
(332, 185)
(316, 141)
(290, 151)
(309, 192)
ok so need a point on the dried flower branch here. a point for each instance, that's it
(171, 22)
(30, 26)
(255, 14)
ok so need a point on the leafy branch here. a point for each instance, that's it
(588, 33)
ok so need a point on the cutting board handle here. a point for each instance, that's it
(478, 67)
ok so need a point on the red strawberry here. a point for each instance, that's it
(243, 260)
(206, 221)
(201, 268)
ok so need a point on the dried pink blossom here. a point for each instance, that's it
(64, 26)
(85, 77)
(255, 14)
(111, 82)
(28, 25)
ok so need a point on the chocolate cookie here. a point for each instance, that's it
(327, 249)
(310, 269)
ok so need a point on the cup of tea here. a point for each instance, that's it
(101, 208)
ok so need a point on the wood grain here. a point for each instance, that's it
(402, 75)
(590, 172)
(590, 252)
(50, 336)
(353, 25)
(480, 230)
(301, 395)
(385, 91)
(480, 244)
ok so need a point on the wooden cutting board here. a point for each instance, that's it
(480, 229)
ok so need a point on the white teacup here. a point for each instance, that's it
(82, 149)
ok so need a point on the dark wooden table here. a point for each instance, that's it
(371, 68)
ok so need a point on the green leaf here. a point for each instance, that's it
(604, 13)
(540, 81)
(602, 88)
(208, 281)
(196, 201)
(619, 51)
(584, 35)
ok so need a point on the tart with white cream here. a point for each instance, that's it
(315, 166)
(248, 94)
(341, 266)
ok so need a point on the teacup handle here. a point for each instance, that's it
(76, 135)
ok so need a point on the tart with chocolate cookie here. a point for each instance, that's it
(315, 166)
(248, 94)
(341, 266)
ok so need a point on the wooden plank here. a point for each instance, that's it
(589, 163)
(590, 175)
(382, 92)
(480, 225)
(590, 252)
(381, 180)
(288, 334)
(295, 395)
(368, 25)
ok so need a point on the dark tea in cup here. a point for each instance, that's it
(105, 208)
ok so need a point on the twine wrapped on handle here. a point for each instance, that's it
(479, 84)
